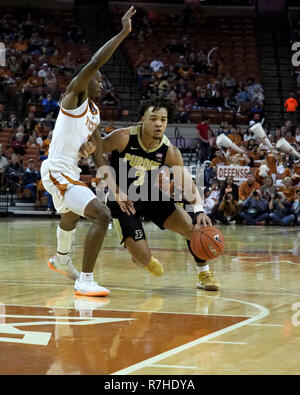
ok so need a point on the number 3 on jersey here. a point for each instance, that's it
(141, 172)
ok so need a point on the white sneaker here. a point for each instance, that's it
(89, 288)
(67, 269)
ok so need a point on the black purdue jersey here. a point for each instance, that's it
(137, 167)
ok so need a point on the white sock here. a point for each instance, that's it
(203, 268)
(86, 277)
(64, 240)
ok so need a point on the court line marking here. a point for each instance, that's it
(106, 308)
(221, 342)
(263, 312)
(172, 366)
(280, 325)
(152, 289)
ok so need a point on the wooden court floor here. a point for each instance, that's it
(150, 325)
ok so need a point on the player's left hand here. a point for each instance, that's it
(126, 20)
(87, 149)
(203, 220)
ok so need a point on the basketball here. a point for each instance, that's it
(207, 243)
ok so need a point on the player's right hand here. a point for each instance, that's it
(87, 149)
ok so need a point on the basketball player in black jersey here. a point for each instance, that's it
(143, 149)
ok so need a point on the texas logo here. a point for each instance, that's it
(40, 340)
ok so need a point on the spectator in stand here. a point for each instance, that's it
(212, 198)
(49, 105)
(43, 71)
(44, 150)
(210, 171)
(268, 190)
(297, 134)
(258, 96)
(34, 81)
(281, 210)
(19, 145)
(234, 135)
(32, 143)
(253, 85)
(287, 189)
(228, 209)
(229, 82)
(13, 173)
(156, 64)
(229, 187)
(30, 179)
(144, 72)
(41, 130)
(181, 88)
(189, 100)
(203, 128)
(289, 137)
(13, 122)
(3, 122)
(271, 158)
(291, 105)
(296, 172)
(216, 101)
(243, 96)
(247, 187)
(182, 114)
(255, 209)
(231, 102)
(68, 62)
(261, 173)
(21, 44)
(50, 80)
(3, 164)
(43, 197)
(296, 207)
(202, 101)
(186, 72)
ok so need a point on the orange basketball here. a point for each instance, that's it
(207, 243)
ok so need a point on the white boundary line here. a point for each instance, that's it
(263, 312)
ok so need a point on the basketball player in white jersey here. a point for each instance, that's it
(77, 120)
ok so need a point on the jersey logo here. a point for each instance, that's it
(138, 234)
(217, 238)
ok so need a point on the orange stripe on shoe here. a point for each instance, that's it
(74, 182)
(61, 187)
(75, 116)
(100, 293)
(58, 271)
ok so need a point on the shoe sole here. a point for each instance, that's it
(100, 293)
(208, 287)
(61, 271)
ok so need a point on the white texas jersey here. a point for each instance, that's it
(72, 129)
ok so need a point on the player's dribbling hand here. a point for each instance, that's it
(126, 20)
(125, 203)
(203, 220)
(87, 149)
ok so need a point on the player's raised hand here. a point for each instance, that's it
(87, 149)
(126, 20)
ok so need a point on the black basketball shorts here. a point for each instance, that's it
(131, 225)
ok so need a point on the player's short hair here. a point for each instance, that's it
(157, 103)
